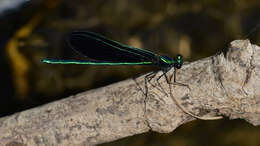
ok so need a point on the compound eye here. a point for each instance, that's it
(179, 57)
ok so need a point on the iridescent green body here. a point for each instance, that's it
(67, 61)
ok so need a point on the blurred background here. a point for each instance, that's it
(31, 30)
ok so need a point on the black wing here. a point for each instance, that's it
(98, 47)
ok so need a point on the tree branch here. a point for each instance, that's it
(218, 85)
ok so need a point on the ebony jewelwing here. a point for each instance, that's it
(104, 51)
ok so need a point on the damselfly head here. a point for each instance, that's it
(179, 61)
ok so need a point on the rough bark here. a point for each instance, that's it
(227, 85)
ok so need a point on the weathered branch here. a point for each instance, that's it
(228, 86)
